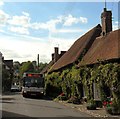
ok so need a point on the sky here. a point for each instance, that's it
(31, 28)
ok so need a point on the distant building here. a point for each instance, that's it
(7, 74)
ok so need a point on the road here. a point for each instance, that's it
(14, 105)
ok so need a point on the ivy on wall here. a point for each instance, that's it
(105, 75)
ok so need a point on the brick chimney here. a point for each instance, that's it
(56, 55)
(52, 56)
(106, 19)
(62, 53)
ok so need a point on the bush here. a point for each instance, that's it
(98, 103)
(109, 110)
(52, 90)
(113, 110)
(92, 105)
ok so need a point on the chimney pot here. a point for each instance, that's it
(56, 55)
(106, 19)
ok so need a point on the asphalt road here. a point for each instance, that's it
(14, 105)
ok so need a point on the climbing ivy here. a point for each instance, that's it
(104, 75)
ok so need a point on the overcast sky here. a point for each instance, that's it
(31, 28)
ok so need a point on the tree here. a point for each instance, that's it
(42, 66)
(26, 67)
(16, 65)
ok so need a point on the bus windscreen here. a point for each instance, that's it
(33, 82)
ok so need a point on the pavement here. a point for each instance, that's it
(99, 112)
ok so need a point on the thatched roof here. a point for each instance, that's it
(103, 48)
(77, 49)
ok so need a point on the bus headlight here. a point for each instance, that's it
(24, 91)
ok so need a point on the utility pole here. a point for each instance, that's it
(38, 62)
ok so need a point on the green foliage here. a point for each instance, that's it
(52, 84)
(42, 66)
(51, 90)
(26, 67)
(91, 105)
(70, 79)
(105, 75)
(113, 109)
(16, 65)
(98, 103)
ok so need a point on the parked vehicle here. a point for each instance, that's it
(15, 88)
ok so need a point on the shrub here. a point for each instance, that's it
(98, 103)
(91, 105)
(113, 110)
(109, 110)
(52, 90)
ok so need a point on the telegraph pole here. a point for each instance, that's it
(38, 62)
